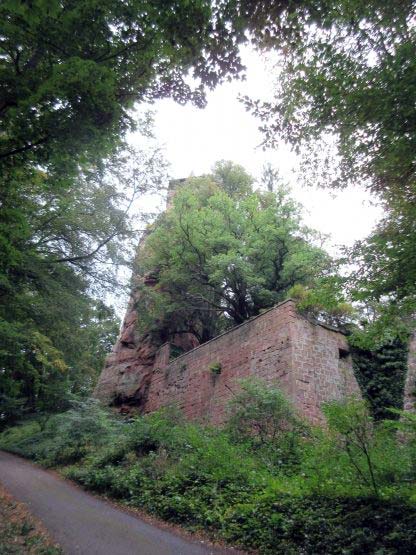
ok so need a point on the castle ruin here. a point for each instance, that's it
(309, 361)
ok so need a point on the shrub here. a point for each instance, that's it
(11, 438)
(355, 455)
(262, 417)
(68, 437)
(330, 525)
(228, 486)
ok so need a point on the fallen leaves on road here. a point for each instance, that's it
(20, 532)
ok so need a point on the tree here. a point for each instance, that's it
(346, 69)
(54, 339)
(384, 282)
(223, 253)
(71, 71)
(60, 248)
(345, 84)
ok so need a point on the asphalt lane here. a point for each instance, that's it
(86, 525)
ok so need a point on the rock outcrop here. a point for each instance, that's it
(128, 370)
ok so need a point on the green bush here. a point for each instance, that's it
(317, 525)
(182, 472)
(67, 437)
(11, 438)
(263, 418)
(229, 482)
(356, 456)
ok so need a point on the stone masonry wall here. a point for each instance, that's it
(410, 385)
(309, 362)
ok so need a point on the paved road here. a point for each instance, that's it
(86, 525)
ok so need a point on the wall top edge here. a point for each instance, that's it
(247, 322)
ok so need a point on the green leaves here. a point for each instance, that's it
(344, 100)
(201, 479)
(223, 253)
(71, 71)
(381, 373)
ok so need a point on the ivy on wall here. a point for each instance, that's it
(381, 375)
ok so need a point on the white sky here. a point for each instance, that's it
(195, 139)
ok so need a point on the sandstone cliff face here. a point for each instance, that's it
(128, 370)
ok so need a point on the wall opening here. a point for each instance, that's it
(343, 353)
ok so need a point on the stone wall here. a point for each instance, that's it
(309, 362)
(410, 384)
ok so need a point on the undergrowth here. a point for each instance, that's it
(265, 481)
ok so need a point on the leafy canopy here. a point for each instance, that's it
(344, 99)
(223, 252)
(347, 69)
(71, 71)
(60, 248)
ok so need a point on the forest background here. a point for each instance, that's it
(75, 79)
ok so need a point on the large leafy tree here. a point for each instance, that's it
(70, 75)
(346, 70)
(383, 284)
(71, 70)
(222, 253)
(344, 99)
(60, 247)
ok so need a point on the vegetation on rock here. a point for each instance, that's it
(381, 374)
(224, 252)
(71, 73)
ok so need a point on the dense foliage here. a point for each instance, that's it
(223, 252)
(60, 248)
(383, 284)
(344, 90)
(347, 70)
(381, 374)
(70, 71)
(350, 488)
(70, 74)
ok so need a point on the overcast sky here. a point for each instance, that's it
(195, 139)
